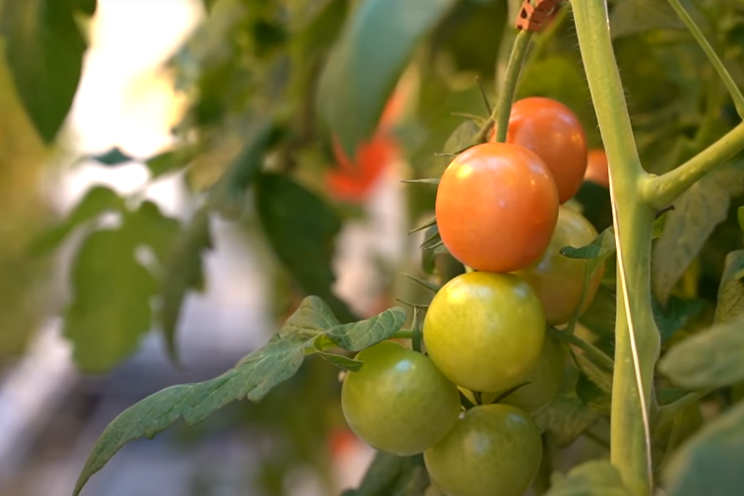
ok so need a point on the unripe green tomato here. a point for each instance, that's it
(484, 331)
(557, 279)
(493, 450)
(398, 401)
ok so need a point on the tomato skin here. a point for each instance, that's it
(558, 280)
(493, 450)
(555, 134)
(484, 331)
(496, 207)
(596, 168)
(398, 402)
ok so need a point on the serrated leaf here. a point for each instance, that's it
(312, 316)
(301, 229)
(112, 157)
(369, 57)
(709, 462)
(711, 358)
(44, 48)
(171, 161)
(687, 228)
(461, 138)
(731, 290)
(341, 361)
(630, 17)
(675, 316)
(359, 335)
(110, 309)
(95, 203)
(594, 478)
(252, 378)
(391, 475)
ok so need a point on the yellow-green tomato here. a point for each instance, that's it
(557, 279)
(493, 450)
(485, 331)
(398, 401)
(544, 380)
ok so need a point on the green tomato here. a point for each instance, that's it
(558, 280)
(398, 401)
(485, 331)
(493, 450)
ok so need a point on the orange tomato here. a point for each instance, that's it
(596, 168)
(497, 207)
(555, 134)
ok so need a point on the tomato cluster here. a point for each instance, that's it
(499, 213)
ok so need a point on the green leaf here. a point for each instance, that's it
(712, 358)
(594, 478)
(312, 316)
(566, 416)
(44, 48)
(171, 161)
(731, 290)
(636, 16)
(182, 272)
(710, 462)
(152, 228)
(675, 316)
(113, 157)
(301, 229)
(600, 248)
(688, 226)
(740, 217)
(341, 361)
(359, 335)
(110, 309)
(369, 57)
(593, 396)
(600, 317)
(391, 475)
(461, 138)
(95, 203)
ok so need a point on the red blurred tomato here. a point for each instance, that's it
(597, 169)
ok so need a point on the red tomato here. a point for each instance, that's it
(496, 207)
(596, 168)
(555, 134)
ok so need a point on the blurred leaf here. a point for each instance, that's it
(433, 181)
(675, 316)
(710, 462)
(636, 16)
(429, 223)
(688, 226)
(600, 317)
(367, 61)
(592, 395)
(110, 310)
(154, 229)
(45, 52)
(461, 138)
(740, 217)
(711, 358)
(359, 335)
(97, 201)
(566, 416)
(731, 291)
(113, 157)
(596, 202)
(171, 160)
(301, 228)
(391, 475)
(594, 478)
(182, 272)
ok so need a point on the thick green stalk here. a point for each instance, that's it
(506, 96)
(636, 334)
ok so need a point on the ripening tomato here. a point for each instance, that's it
(596, 168)
(398, 401)
(484, 331)
(558, 280)
(496, 207)
(555, 134)
(493, 450)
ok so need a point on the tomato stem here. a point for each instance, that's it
(502, 111)
(592, 352)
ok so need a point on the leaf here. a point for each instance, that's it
(600, 248)
(312, 316)
(341, 361)
(740, 217)
(110, 309)
(712, 358)
(95, 203)
(301, 229)
(434, 181)
(391, 475)
(359, 335)
(113, 157)
(461, 138)
(600, 317)
(594, 478)
(676, 315)
(368, 58)
(636, 16)
(731, 290)
(566, 416)
(44, 49)
(171, 161)
(593, 396)
(154, 229)
(182, 272)
(709, 462)
(688, 226)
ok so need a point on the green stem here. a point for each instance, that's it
(667, 412)
(723, 73)
(592, 352)
(502, 111)
(636, 334)
(402, 335)
(660, 191)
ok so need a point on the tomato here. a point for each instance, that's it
(596, 168)
(485, 331)
(557, 279)
(552, 131)
(493, 450)
(496, 207)
(398, 401)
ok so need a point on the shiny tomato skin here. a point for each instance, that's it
(555, 134)
(398, 402)
(484, 331)
(496, 207)
(596, 168)
(557, 279)
(493, 450)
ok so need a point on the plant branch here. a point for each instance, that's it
(592, 352)
(660, 191)
(723, 73)
(502, 111)
(667, 412)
